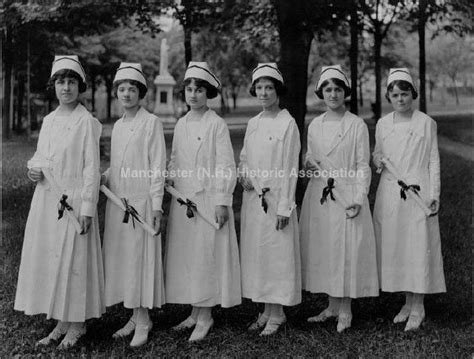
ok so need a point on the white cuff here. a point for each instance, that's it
(88, 208)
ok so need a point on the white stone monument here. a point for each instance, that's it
(164, 107)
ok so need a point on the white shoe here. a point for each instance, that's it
(188, 323)
(126, 330)
(59, 330)
(414, 320)
(273, 325)
(403, 315)
(344, 321)
(72, 336)
(201, 330)
(141, 334)
(259, 323)
(323, 316)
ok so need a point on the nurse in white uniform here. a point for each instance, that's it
(202, 262)
(132, 257)
(61, 271)
(337, 238)
(409, 245)
(269, 244)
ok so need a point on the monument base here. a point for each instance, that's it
(167, 119)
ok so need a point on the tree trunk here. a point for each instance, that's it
(361, 97)
(28, 86)
(188, 50)
(295, 44)
(378, 70)
(295, 38)
(108, 85)
(223, 104)
(7, 74)
(17, 125)
(422, 57)
(234, 99)
(353, 55)
(93, 77)
(11, 117)
(432, 85)
(455, 90)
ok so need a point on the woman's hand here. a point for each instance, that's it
(157, 215)
(379, 164)
(35, 174)
(434, 206)
(282, 222)
(246, 183)
(85, 222)
(311, 166)
(222, 215)
(354, 210)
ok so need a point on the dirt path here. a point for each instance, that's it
(456, 148)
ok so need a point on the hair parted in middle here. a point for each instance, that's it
(280, 88)
(337, 82)
(61, 75)
(402, 85)
(211, 91)
(142, 90)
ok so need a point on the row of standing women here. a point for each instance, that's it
(333, 249)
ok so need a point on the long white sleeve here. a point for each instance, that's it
(91, 169)
(434, 164)
(225, 176)
(362, 156)
(377, 155)
(157, 162)
(292, 146)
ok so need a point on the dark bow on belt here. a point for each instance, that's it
(130, 211)
(404, 187)
(191, 207)
(264, 201)
(62, 206)
(327, 191)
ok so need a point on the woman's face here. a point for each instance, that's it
(128, 95)
(196, 97)
(333, 96)
(67, 90)
(266, 93)
(401, 100)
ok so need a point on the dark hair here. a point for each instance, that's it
(280, 88)
(402, 85)
(142, 90)
(61, 75)
(211, 91)
(337, 82)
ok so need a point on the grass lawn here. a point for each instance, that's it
(447, 330)
(456, 127)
